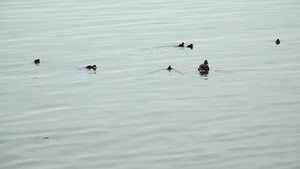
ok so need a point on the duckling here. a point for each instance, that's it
(37, 61)
(181, 45)
(277, 42)
(91, 67)
(190, 46)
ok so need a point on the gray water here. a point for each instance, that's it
(133, 113)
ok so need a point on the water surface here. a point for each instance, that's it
(132, 112)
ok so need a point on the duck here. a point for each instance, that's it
(169, 68)
(204, 68)
(181, 45)
(37, 61)
(91, 67)
(277, 42)
(190, 46)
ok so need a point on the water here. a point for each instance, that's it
(133, 113)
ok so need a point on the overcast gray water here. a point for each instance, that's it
(132, 112)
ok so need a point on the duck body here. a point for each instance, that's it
(190, 46)
(91, 67)
(277, 42)
(204, 68)
(203, 71)
(181, 45)
(37, 61)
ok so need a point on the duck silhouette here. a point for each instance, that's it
(94, 67)
(204, 68)
(169, 68)
(190, 46)
(181, 45)
(37, 61)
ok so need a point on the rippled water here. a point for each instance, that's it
(133, 113)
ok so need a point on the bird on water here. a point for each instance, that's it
(181, 45)
(91, 67)
(204, 68)
(190, 46)
(37, 61)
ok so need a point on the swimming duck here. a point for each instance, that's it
(277, 42)
(190, 46)
(91, 67)
(204, 68)
(37, 61)
(181, 45)
(169, 68)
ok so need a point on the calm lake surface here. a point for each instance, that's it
(133, 113)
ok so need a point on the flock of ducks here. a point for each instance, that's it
(189, 46)
(94, 67)
(203, 68)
